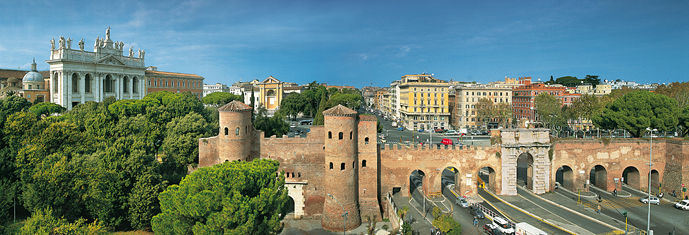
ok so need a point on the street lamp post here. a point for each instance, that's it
(650, 168)
(344, 215)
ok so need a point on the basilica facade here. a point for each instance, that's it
(78, 76)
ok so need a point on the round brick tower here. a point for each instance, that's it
(341, 171)
(235, 132)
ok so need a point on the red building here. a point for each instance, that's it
(524, 96)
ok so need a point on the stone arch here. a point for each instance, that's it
(631, 177)
(108, 84)
(598, 177)
(486, 178)
(135, 85)
(340, 135)
(416, 178)
(525, 170)
(295, 190)
(565, 177)
(450, 181)
(125, 84)
(655, 179)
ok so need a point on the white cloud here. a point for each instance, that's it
(363, 56)
(403, 51)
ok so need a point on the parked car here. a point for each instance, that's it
(451, 132)
(485, 132)
(683, 204)
(491, 229)
(654, 200)
(400, 128)
(475, 211)
(475, 132)
(293, 125)
(462, 202)
(439, 130)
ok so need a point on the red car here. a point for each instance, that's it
(446, 141)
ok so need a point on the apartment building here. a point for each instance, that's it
(423, 102)
(467, 96)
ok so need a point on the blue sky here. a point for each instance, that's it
(360, 43)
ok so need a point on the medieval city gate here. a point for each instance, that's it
(525, 159)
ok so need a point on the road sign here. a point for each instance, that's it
(682, 185)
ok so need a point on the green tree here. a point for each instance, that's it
(46, 108)
(352, 101)
(43, 222)
(293, 104)
(181, 145)
(568, 81)
(447, 224)
(592, 79)
(274, 125)
(485, 110)
(320, 119)
(229, 198)
(638, 110)
(220, 98)
(548, 108)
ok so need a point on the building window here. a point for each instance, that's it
(227, 131)
(366, 140)
(236, 131)
(342, 166)
(351, 136)
(108, 86)
(29, 89)
(330, 136)
(135, 85)
(87, 83)
(341, 135)
(75, 83)
(125, 87)
(363, 163)
(331, 166)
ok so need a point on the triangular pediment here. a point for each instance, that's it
(271, 79)
(110, 60)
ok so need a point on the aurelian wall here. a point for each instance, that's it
(302, 159)
(582, 155)
(399, 161)
(369, 190)
(675, 160)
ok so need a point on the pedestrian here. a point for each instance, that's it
(598, 208)
(432, 231)
(673, 193)
(475, 222)
(614, 192)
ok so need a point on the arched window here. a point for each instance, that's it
(135, 85)
(331, 166)
(330, 136)
(87, 83)
(54, 83)
(341, 135)
(299, 174)
(342, 166)
(292, 174)
(363, 163)
(353, 164)
(125, 85)
(75, 83)
(366, 140)
(108, 86)
(227, 131)
(351, 135)
(236, 131)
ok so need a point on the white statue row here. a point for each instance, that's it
(100, 43)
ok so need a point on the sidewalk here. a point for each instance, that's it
(567, 199)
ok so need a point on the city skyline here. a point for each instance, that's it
(361, 43)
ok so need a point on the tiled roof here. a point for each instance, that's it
(339, 110)
(367, 118)
(150, 73)
(234, 106)
(7, 73)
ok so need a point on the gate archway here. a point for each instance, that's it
(565, 177)
(525, 170)
(599, 177)
(631, 177)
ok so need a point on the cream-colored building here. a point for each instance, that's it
(423, 102)
(467, 97)
(78, 76)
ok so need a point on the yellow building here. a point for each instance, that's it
(270, 94)
(423, 102)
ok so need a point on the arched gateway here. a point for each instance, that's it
(533, 146)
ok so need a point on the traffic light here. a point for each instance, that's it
(624, 213)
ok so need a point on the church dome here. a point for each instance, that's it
(33, 75)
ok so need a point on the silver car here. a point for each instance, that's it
(462, 202)
(654, 200)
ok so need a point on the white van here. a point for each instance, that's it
(527, 229)
(503, 225)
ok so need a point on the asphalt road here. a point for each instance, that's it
(664, 218)
(518, 216)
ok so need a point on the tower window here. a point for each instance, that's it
(330, 136)
(353, 164)
(350, 135)
(236, 131)
(341, 135)
(342, 166)
(363, 163)
(366, 140)
(331, 166)
(227, 131)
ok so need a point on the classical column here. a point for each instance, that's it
(131, 88)
(82, 88)
(118, 87)
(99, 89)
(67, 92)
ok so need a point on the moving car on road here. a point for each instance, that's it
(491, 229)
(683, 204)
(654, 200)
(446, 141)
(503, 225)
(462, 202)
(475, 211)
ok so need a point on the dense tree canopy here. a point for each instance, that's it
(548, 108)
(230, 198)
(638, 110)
(293, 104)
(218, 99)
